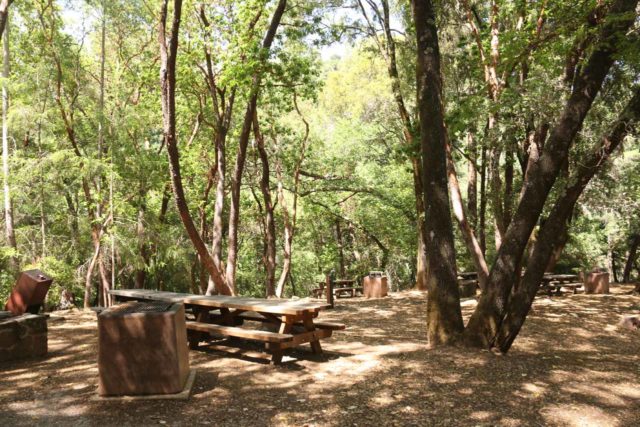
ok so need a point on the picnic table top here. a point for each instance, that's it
(550, 277)
(260, 305)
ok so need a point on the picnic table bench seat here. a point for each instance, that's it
(256, 317)
(550, 287)
(235, 331)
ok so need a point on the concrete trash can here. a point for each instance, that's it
(29, 292)
(142, 349)
(375, 285)
(596, 282)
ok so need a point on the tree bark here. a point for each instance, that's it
(388, 51)
(634, 242)
(472, 185)
(520, 303)
(141, 272)
(444, 318)
(236, 178)
(339, 242)
(468, 235)
(482, 218)
(270, 225)
(290, 216)
(4, 14)
(8, 205)
(168, 55)
(486, 320)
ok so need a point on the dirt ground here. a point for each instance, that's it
(571, 366)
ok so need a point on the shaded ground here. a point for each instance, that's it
(571, 366)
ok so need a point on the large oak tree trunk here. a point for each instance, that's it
(541, 175)
(444, 318)
(520, 303)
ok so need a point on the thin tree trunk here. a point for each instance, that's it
(270, 225)
(495, 187)
(4, 14)
(168, 55)
(141, 272)
(468, 235)
(444, 318)
(508, 185)
(483, 201)
(290, 216)
(472, 185)
(88, 286)
(388, 51)
(8, 205)
(631, 257)
(339, 242)
(236, 178)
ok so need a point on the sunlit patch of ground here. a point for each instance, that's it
(571, 366)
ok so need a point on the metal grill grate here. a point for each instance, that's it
(142, 307)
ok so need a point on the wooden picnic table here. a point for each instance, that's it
(223, 315)
(341, 288)
(553, 283)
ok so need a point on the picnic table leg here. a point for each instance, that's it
(285, 328)
(307, 321)
(194, 337)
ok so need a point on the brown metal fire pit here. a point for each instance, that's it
(142, 349)
(29, 292)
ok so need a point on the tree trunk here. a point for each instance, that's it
(141, 272)
(388, 51)
(422, 265)
(631, 257)
(507, 210)
(495, 187)
(88, 282)
(290, 217)
(236, 178)
(4, 14)
(558, 248)
(339, 243)
(472, 185)
(521, 301)
(486, 320)
(270, 225)
(168, 55)
(468, 235)
(444, 318)
(8, 205)
(483, 201)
